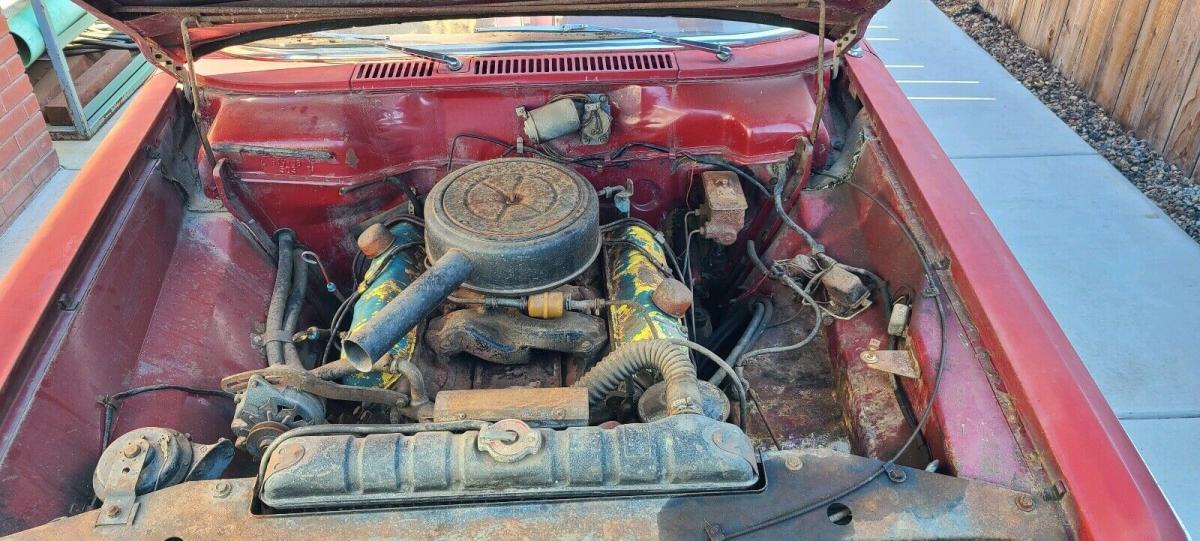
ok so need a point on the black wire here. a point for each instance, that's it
(925, 415)
(454, 144)
(112, 402)
(338, 315)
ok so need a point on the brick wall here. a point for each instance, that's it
(27, 157)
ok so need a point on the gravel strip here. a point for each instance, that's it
(1162, 182)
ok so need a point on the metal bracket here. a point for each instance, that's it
(844, 41)
(120, 494)
(899, 362)
(190, 85)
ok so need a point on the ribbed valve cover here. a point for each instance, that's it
(528, 225)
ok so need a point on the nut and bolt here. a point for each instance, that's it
(1024, 502)
(793, 462)
(113, 511)
(222, 489)
(869, 356)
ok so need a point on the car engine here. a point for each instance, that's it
(516, 331)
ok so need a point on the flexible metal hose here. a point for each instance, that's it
(683, 393)
(283, 282)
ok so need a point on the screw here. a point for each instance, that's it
(793, 462)
(869, 356)
(222, 489)
(131, 450)
(1024, 502)
(113, 511)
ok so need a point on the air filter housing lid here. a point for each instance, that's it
(527, 225)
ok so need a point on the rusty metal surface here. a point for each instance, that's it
(308, 382)
(509, 337)
(513, 199)
(527, 225)
(554, 407)
(678, 454)
(898, 362)
(796, 391)
(673, 297)
(924, 506)
(374, 240)
(724, 209)
(635, 265)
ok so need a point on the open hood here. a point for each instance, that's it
(156, 24)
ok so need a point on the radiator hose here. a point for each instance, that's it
(670, 360)
(279, 297)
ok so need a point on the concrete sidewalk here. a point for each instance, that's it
(1121, 278)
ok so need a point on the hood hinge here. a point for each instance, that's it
(193, 89)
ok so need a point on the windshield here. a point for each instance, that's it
(522, 31)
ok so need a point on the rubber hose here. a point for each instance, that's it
(758, 323)
(291, 355)
(787, 219)
(683, 393)
(283, 282)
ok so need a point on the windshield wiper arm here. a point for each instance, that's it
(723, 52)
(451, 62)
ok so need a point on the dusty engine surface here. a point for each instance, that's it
(478, 337)
(527, 225)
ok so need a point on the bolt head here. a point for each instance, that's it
(793, 462)
(132, 449)
(222, 489)
(1024, 502)
(113, 510)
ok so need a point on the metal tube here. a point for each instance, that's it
(406, 310)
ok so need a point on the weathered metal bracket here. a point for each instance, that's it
(310, 383)
(120, 495)
(899, 362)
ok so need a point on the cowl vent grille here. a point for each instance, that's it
(573, 63)
(383, 71)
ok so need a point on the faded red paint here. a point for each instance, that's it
(119, 230)
(1110, 490)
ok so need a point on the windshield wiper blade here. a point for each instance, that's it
(723, 52)
(451, 62)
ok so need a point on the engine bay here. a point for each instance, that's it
(422, 298)
(524, 326)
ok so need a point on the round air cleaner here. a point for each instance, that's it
(527, 225)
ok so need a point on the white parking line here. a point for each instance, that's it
(904, 66)
(950, 98)
(935, 82)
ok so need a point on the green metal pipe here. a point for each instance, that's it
(22, 24)
(388, 275)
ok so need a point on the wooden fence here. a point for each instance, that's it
(1140, 59)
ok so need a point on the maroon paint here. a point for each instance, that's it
(1110, 491)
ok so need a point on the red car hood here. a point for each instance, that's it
(156, 24)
